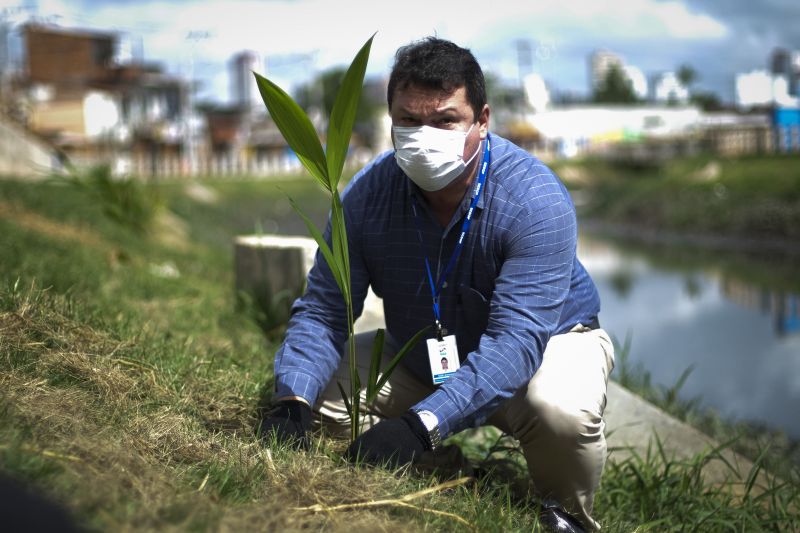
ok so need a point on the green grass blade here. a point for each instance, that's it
(400, 354)
(346, 401)
(355, 417)
(324, 248)
(653, 525)
(343, 113)
(717, 454)
(671, 394)
(752, 476)
(663, 455)
(375, 365)
(296, 128)
(356, 382)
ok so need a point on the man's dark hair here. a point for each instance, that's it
(435, 63)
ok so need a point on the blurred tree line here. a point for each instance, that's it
(320, 92)
(617, 88)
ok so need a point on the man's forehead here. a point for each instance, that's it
(415, 97)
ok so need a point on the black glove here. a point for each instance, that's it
(396, 441)
(290, 421)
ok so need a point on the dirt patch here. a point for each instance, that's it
(57, 230)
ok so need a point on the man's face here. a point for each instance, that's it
(421, 106)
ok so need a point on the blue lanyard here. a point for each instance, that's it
(436, 288)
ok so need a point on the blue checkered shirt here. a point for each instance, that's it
(517, 282)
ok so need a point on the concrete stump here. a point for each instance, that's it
(270, 274)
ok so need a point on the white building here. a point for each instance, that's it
(536, 92)
(761, 88)
(244, 90)
(82, 116)
(638, 81)
(575, 130)
(667, 88)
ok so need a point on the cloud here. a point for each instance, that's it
(774, 20)
(329, 33)
(680, 23)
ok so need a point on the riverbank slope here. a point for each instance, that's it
(748, 202)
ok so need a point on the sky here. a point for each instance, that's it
(301, 38)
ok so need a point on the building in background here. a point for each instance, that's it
(763, 89)
(600, 63)
(244, 90)
(86, 93)
(93, 108)
(638, 81)
(608, 129)
(777, 87)
(786, 124)
(537, 95)
(786, 63)
(668, 89)
(67, 58)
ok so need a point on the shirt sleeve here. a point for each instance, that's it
(525, 308)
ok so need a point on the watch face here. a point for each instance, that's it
(428, 419)
(431, 423)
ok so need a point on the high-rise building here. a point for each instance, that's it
(779, 61)
(794, 73)
(786, 63)
(600, 62)
(244, 90)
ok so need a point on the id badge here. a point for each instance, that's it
(443, 358)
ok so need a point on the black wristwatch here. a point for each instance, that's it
(431, 423)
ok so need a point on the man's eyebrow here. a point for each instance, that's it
(441, 112)
(447, 109)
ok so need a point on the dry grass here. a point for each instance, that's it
(87, 413)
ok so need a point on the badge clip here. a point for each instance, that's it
(441, 331)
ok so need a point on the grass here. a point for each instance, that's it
(750, 197)
(129, 386)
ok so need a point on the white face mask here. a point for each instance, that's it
(431, 157)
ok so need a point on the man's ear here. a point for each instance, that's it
(483, 121)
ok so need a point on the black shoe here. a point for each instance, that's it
(554, 518)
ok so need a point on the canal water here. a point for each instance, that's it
(734, 321)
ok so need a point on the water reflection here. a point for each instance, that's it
(782, 307)
(742, 338)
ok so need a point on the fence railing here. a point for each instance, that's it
(220, 165)
(22, 154)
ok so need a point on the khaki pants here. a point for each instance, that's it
(557, 417)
